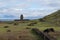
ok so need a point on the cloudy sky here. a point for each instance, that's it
(32, 9)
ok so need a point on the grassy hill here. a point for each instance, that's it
(53, 18)
(19, 30)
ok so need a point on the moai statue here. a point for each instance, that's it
(21, 17)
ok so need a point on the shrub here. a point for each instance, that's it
(6, 26)
(15, 23)
(42, 20)
(8, 30)
(46, 30)
(19, 36)
(27, 28)
(30, 24)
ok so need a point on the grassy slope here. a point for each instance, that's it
(53, 18)
(44, 25)
(21, 27)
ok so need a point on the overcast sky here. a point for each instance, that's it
(32, 9)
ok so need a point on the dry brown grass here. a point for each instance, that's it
(20, 35)
(55, 35)
(21, 32)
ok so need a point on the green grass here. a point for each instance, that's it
(21, 26)
(44, 25)
(53, 18)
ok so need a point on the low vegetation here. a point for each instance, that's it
(53, 18)
(22, 30)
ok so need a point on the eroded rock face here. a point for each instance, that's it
(49, 30)
(52, 30)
